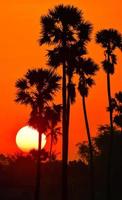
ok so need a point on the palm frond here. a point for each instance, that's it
(48, 25)
(118, 96)
(21, 84)
(108, 67)
(84, 29)
(90, 82)
(118, 120)
(89, 67)
(24, 98)
(114, 58)
(54, 114)
(55, 57)
(68, 15)
(109, 38)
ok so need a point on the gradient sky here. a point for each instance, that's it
(19, 50)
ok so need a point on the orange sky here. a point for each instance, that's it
(19, 50)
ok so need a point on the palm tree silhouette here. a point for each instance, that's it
(59, 29)
(86, 69)
(110, 40)
(54, 116)
(75, 54)
(37, 89)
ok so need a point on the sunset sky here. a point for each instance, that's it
(19, 50)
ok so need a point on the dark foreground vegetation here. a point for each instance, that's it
(17, 173)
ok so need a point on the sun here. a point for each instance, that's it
(27, 139)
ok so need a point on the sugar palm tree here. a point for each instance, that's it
(86, 69)
(37, 89)
(76, 51)
(110, 40)
(59, 29)
(54, 116)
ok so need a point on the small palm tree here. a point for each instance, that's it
(86, 69)
(110, 40)
(54, 116)
(37, 89)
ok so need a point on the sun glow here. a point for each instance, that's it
(27, 139)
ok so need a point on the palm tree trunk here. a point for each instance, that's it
(91, 165)
(65, 140)
(109, 173)
(68, 107)
(38, 170)
(51, 145)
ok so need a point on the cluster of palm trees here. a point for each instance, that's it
(67, 34)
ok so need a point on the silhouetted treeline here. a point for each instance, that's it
(17, 173)
(17, 178)
(101, 151)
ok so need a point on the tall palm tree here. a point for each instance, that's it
(86, 69)
(59, 29)
(54, 116)
(75, 52)
(37, 89)
(110, 40)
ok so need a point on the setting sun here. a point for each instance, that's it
(27, 139)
